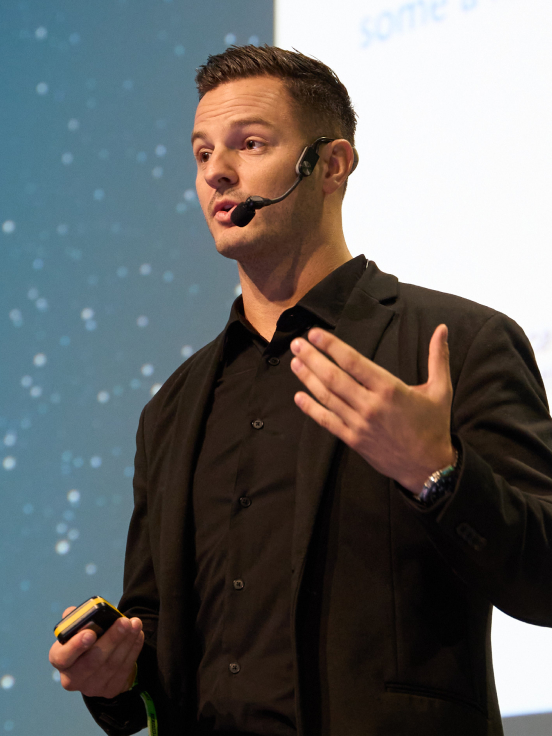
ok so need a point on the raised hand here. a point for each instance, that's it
(402, 431)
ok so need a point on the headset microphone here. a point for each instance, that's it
(244, 212)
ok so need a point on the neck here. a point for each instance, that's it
(269, 288)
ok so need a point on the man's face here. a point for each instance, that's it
(247, 139)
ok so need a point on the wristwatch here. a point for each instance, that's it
(440, 483)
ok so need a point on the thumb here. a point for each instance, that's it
(438, 369)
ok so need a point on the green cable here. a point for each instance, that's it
(151, 714)
(153, 729)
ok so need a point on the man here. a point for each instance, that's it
(322, 561)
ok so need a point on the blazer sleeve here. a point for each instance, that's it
(125, 714)
(496, 529)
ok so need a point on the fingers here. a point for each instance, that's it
(68, 611)
(63, 656)
(324, 417)
(364, 371)
(102, 668)
(329, 384)
(438, 368)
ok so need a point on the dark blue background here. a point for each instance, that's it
(109, 279)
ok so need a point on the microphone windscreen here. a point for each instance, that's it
(242, 214)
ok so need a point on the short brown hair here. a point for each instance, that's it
(312, 85)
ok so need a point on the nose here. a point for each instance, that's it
(220, 170)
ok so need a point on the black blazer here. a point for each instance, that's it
(391, 604)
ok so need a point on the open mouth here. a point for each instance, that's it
(223, 210)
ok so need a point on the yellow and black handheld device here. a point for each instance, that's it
(96, 613)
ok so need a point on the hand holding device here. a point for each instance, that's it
(96, 664)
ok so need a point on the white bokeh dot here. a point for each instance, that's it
(142, 321)
(26, 381)
(122, 271)
(73, 124)
(168, 276)
(42, 88)
(8, 226)
(41, 33)
(61, 528)
(74, 39)
(99, 194)
(38, 263)
(128, 84)
(253, 40)
(87, 313)
(95, 461)
(41, 304)
(155, 388)
(145, 269)
(9, 462)
(9, 725)
(179, 50)
(32, 294)
(36, 392)
(62, 229)
(39, 360)
(73, 496)
(73, 534)
(189, 195)
(56, 677)
(186, 351)
(16, 317)
(7, 682)
(90, 325)
(147, 369)
(67, 158)
(181, 207)
(62, 547)
(91, 569)
(160, 150)
(229, 39)
(237, 290)
(157, 172)
(103, 397)
(10, 438)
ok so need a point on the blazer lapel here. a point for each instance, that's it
(362, 325)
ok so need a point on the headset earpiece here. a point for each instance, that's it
(307, 161)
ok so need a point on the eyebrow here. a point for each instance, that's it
(243, 123)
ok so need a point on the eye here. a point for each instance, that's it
(253, 145)
(203, 156)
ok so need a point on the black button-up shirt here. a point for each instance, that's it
(243, 500)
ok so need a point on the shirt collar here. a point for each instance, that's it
(325, 300)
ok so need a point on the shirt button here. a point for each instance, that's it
(257, 424)
(238, 584)
(245, 502)
(274, 361)
(234, 668)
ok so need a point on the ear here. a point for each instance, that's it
(338, 159)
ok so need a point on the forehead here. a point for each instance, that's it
(256, 98)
